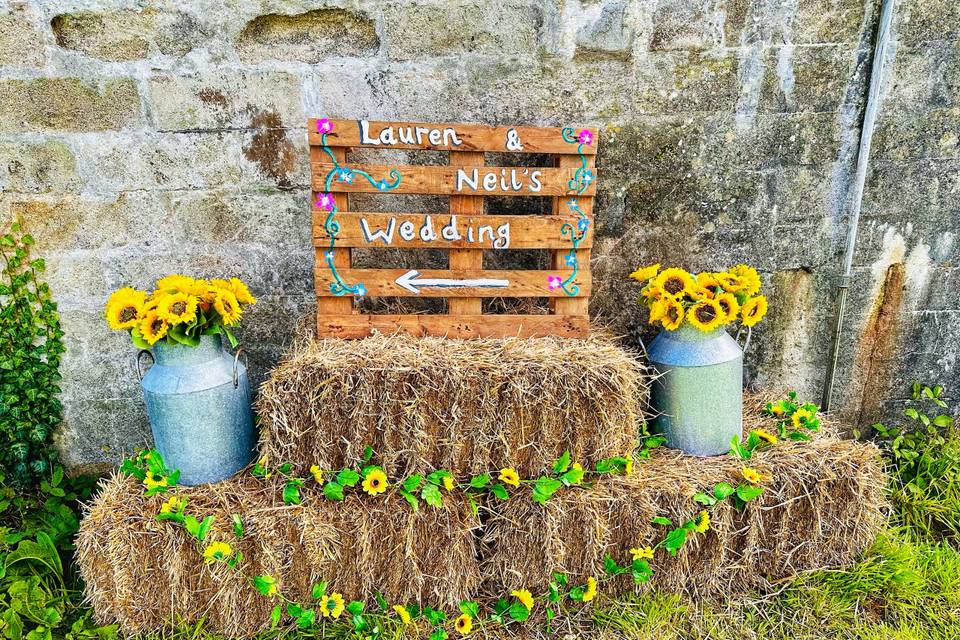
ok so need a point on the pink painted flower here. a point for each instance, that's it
(585, 137)
(554, 282)
(325, 201)
(324, 126)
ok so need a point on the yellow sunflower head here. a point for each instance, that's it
(672, 314)
(152, 327)
(751, 475)
(375, 482)
(708, 280)
(645, 273)
(642, 553)
(674, 282)
(227, 306)
(317, 474)
(702, 522)
(524, 597)
(463, 625)
(801, 417)
(748, 277)
(217, 552)
(766, 436)
(404, 614)
(241, 291)
(591, 591)
(448, 483)
(332, 606)
(177, 308)
(124, 307)
(509, 476)
(706, 315)
(753, 310)
(728, 303)
(175, 283)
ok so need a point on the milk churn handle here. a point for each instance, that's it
(236, 360)
(643, 347)
(746, 344)
(139, 355)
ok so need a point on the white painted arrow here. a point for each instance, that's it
(411, 280)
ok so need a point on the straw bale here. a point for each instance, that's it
(464, 405)
(822, 508)
(147, 575)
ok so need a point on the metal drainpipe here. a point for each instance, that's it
(863, 162)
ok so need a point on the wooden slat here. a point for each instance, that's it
(382, 282)
(478, 326)
(443, 180)
(526, 232)
(472, 137)
(572, 306)
(465, 259)
(341, 256)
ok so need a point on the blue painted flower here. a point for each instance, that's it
(360, 290)
(587, 177)
(328, 255)
(382, 185)
(344, 174)
(571, 260)
(583, 225)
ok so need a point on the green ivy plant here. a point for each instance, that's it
(31, 343)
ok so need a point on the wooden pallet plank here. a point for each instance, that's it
(446, 180)
(453, 283)
(575, 306)
(341, 256)
(373, 229)
(481, 326)
(465, 259)
(471, 137)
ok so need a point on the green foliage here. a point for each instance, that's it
(31, 343)
(923, 456)
(39, 590)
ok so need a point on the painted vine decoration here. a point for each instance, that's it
(326, 201)
(794, 421)
(581, 180)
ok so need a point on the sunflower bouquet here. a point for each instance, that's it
(179, 310)
(707, 300)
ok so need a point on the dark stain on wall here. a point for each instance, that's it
(269, 148)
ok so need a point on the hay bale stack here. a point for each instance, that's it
(464, 405)
(822, 508)
(145, 574)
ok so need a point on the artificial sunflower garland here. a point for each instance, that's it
(706, 301)
(179, 310)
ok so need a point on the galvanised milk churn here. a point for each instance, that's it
(198, 402)
(698, 395)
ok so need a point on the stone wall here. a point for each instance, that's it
(141, 138)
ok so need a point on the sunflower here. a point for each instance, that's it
(152, 481)
(217, 552)
(401, 610)
(706, 315)
(766, 436)
(729, 305)
(645, 273)
(448, 483)
(672, 314)
(317, 474)
(751, 475)
(708, 280)
(173, 505)
(748, 277)
(728, 282)
(332, 606)
(524, 596)
(175, 282)
(227, 306)
(509, 476)
(801, 417)
(237, 288)
(463, 625)
(152, 327)
(753, 310)
(628, 466)
(642, 553)
(591, 591)
(124, 307)
(674, 282)
(375, 482)
(658, 309)
(702, 523)
(177, 308)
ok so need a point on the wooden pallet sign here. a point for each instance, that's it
(465, 231)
